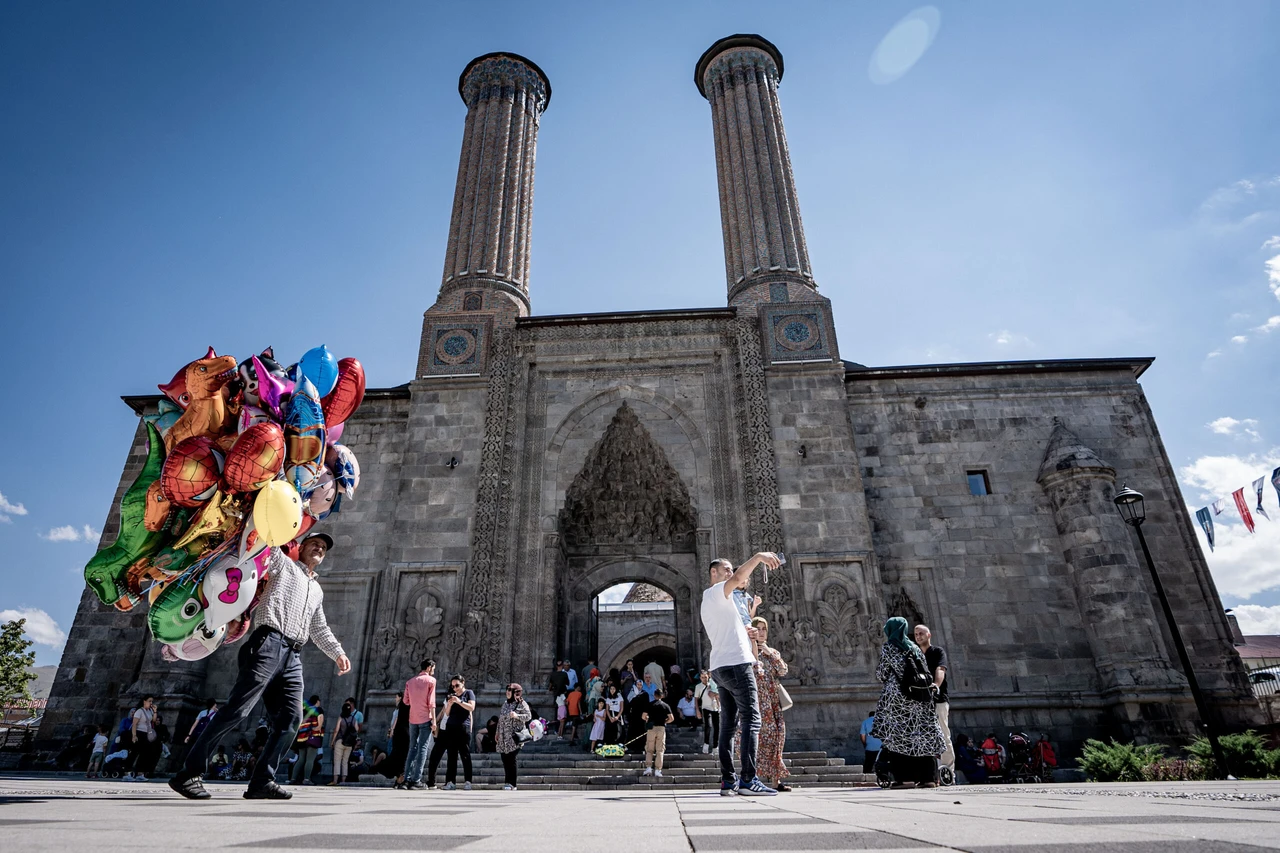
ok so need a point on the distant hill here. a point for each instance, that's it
(44, 681)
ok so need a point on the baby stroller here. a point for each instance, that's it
(884, 776)
(1024, 760)
(113, 764)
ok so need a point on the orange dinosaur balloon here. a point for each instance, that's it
(207, 413)
(255, 459)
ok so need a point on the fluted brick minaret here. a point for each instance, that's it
(488, 247)
(763, 235)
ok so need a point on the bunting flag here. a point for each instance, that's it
(1275, 481)
(1206, 521)
(1218, 507)
(1242, 507)
(1257, 488)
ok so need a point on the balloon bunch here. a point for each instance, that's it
(239, 458)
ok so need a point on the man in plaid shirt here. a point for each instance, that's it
(291, 613)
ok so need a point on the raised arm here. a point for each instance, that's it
(742, 575)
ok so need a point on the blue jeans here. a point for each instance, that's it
(269, 670)
(418, 736)
(739, 705)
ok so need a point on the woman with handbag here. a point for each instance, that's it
(513, 732)
(905, 721)
(308, 742)
(770, 669)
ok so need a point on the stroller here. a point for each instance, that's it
(1026, 761)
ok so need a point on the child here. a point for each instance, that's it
(574, 703)
(597, 728)
(98, 754)
(561, 713)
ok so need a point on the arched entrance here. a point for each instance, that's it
(627, 517)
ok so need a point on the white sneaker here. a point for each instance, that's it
(508, 787)
(657, 774)
(139, 778)
(648, 771)
(706, 747)
(128, 777)
(466, 786)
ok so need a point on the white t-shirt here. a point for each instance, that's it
(709, 694)
(687, 707)
(99, 743)
(730, 645)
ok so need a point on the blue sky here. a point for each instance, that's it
(1093, 179)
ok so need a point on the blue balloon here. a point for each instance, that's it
(321, 368)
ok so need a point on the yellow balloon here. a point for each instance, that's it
(277, 513)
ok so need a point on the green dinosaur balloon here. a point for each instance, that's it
(105, 573)
(178, 611)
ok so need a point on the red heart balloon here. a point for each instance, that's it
(347, 395)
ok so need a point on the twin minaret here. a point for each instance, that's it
(486, 264)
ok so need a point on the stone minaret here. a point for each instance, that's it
(763, 236)
(487, 259)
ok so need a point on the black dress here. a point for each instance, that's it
(393, 765)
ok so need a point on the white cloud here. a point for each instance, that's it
(7, 509)
(1215, 354)
(40, 627)
(1231, 426)
(68, 533)
(1257, 619)
(1272, 242)
(1273, 275)
(1006, 338)
(1239, 339)
(1242, 563)
(1271, 325)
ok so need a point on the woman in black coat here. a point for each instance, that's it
(393, 765)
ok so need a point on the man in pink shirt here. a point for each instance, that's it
(420, 696)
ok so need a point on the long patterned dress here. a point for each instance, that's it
(906, 727)
(770, 669)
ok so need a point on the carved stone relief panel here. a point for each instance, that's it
(420, 620)
(844, 625)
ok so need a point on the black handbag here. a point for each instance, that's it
(521, 735)
(915, 681)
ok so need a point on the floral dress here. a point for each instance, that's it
(507, 726)
(905, 726)
(770, 669)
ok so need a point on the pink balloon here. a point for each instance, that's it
(335, 434)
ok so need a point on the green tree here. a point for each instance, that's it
(15, 663)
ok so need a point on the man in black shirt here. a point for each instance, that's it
(936, 658)
(558, 684)
(452, 731)
(657, 716)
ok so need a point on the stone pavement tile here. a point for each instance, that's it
(1134, 819)
(1163, 846)
(807, 841)
(363, 841)
(752, 822)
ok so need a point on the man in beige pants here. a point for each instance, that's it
(655, 740)
(936, 658)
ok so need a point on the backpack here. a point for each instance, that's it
(349, 732)
(916, 680)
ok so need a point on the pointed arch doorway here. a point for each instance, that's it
(628, 518)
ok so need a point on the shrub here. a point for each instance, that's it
(1118, 762)
(1246, 754)
(1176, 770)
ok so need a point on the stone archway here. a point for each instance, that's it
(639, 648)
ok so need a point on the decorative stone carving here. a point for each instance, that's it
(423, 622)
(809, 674)
(644, 593)
(902, 604)
(627, 492)
(837, 609)
(384, 653)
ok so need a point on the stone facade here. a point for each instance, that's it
(533, 462)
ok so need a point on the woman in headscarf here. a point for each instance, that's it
(905, 721)
(770, 670)
(513, 717)
(393, 765)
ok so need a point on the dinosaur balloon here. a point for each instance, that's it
(207, 413)
(178, 612)
(105, 572)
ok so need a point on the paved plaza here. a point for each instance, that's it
(47, 813)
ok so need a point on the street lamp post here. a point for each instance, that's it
(1132, 510)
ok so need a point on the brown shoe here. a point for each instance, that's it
(927, 785)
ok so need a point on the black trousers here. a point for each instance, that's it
(457, 742)
(509, 767)
(710, 720)
(270, 670)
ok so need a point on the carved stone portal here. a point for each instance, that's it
(837, 609)
(627, 492)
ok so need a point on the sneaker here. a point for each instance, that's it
(728, 789)
(706, 747)
(648, 771)
(189, 786)
(139, 778)
(657, 774)
(449, 786)
(508, 787)
(757, 789)
(128, 777)
(466, 786)
(414, 786)
(307, 782)
(269, 791)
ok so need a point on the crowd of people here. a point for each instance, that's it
(738, 702)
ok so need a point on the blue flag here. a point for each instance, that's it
(1258, 485)
(1275, 481)
(1206, 521)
